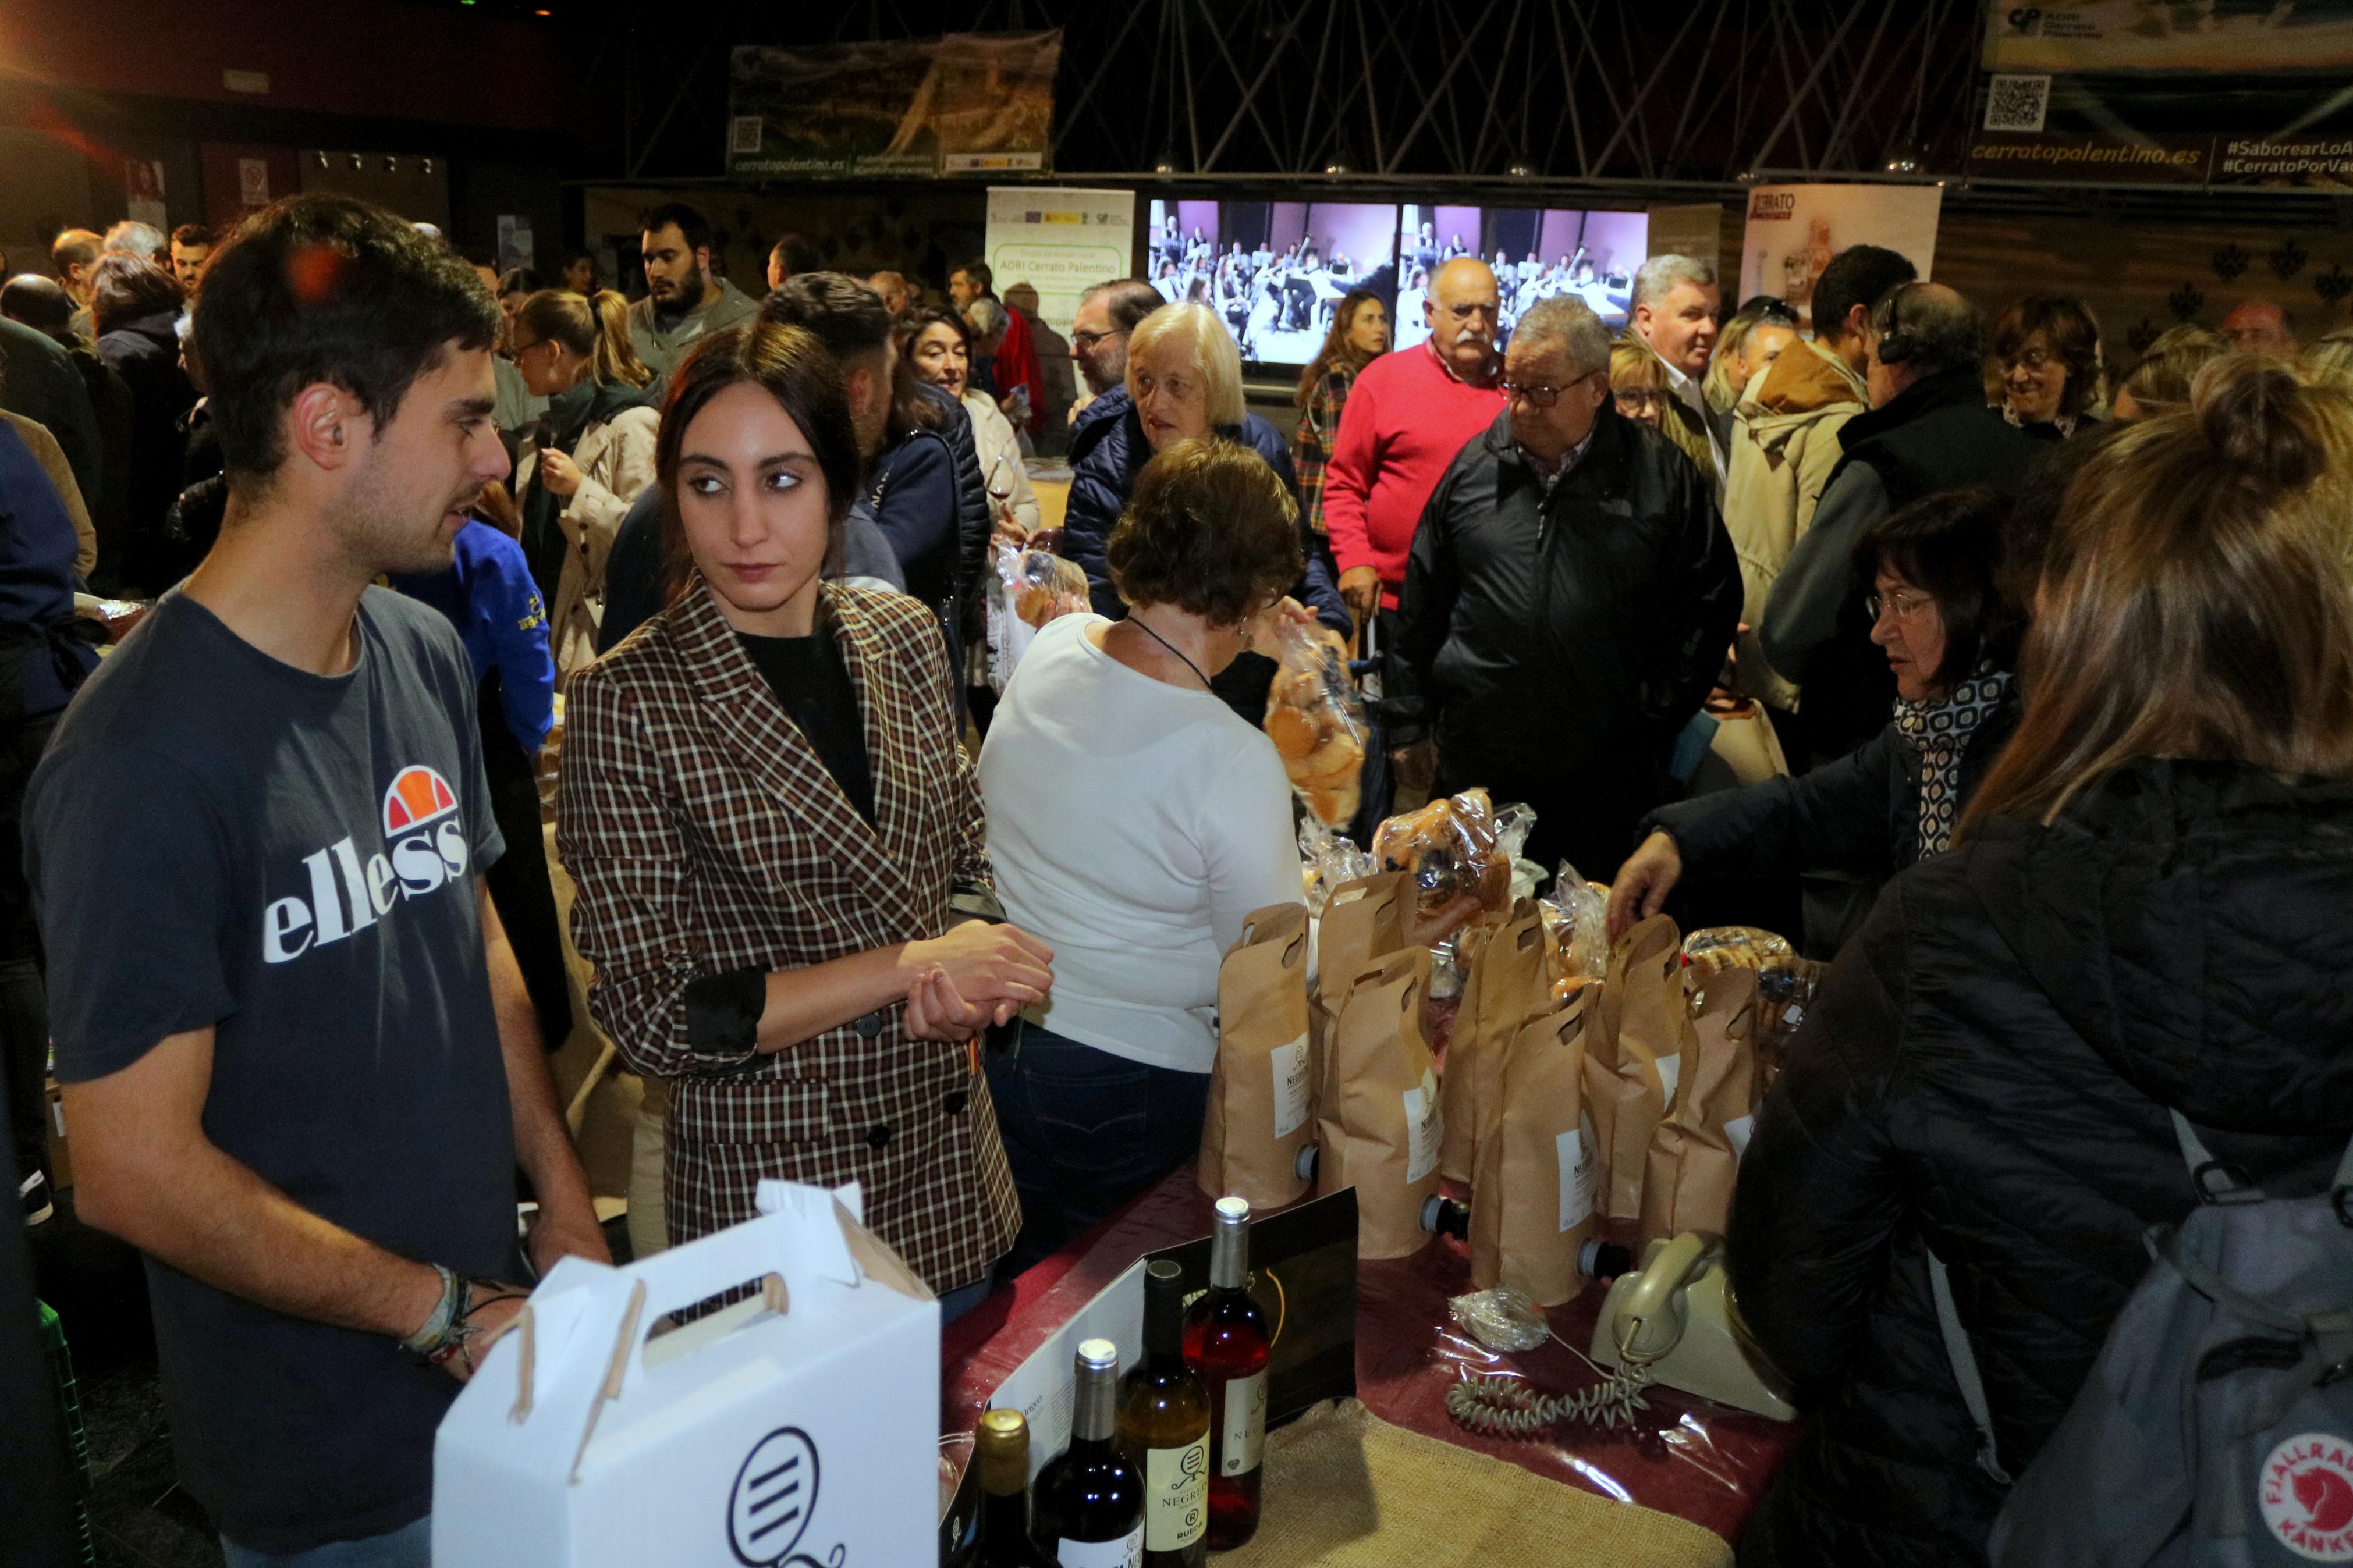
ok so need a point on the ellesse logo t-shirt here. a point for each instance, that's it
(218, 839)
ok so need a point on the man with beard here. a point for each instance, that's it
(1409, 415)
(1570, 598)
(1107, 313)
(684, 298)
(300, 1059)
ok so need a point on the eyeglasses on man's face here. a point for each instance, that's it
(1541, 394)
(1087, 341)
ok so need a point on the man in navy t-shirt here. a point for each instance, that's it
(299, 1063)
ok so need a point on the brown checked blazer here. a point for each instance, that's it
(708, 838)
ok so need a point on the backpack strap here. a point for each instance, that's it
(1964, 1360)
(2220, 1183)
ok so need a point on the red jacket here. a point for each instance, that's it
(1017, 365)
(1406, 419)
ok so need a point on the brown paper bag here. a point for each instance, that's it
(1633, 1059)
(1688, 1180)
(1261, 1091)
(1379, 1125)
(1364, 923)
(1539, 1174)
(1502, 987)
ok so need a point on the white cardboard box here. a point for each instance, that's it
(749, 1438)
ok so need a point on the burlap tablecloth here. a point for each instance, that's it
(1346, 1489)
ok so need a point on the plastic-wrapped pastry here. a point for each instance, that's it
(1028, 588)
(1327, 860)
(1455, 847)
(1317, 720)
(1576, 930)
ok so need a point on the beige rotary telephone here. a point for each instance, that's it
(1677, 1321)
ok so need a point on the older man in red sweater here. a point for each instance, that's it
(1407, 416)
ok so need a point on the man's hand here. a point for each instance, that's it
(1361, 587)
(558, 473)
(490, 1319)
(1644, 882)
(554, 1233)
(1429, 930)
(1415, 766)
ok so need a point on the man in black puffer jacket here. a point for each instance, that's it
(1567, 604)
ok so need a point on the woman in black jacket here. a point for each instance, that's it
(2150, 908)
(1950, 634)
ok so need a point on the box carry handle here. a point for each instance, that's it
(611, 1387)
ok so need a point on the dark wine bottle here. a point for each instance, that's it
(1164, 1429)
(1089, 1501)
(1002, 1452)
(1226, 1344)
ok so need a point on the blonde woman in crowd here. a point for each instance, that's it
(586, 459)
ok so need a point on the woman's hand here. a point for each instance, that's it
(1263, 629)
(558, 474)
(1644, 882)
(983, 965)
(934, 1011)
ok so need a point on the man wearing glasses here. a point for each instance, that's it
(1567, 603)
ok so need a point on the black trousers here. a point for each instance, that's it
(520, 888)
(24, 996)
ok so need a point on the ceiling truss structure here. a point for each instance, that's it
(1684, 92)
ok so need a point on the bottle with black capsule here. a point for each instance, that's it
(1089, 1501)
(1001, 1449)
(1164, 1429)
(1227, 1344)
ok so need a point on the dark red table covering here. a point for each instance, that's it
(1695, 1459)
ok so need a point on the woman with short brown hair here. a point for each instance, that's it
(2045, 366)
(783, 883)
(2144, 932)
(1133, 820)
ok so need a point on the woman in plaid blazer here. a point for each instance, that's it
(776, 840)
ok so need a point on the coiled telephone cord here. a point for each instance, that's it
(1507, 1407)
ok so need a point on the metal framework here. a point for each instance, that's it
(1655, 92)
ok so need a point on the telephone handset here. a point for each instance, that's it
(1649, 1322)
(1676, 1319)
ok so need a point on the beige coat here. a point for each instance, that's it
(52, 459)
(616, 463)
(1785, 442)
(1000, 452)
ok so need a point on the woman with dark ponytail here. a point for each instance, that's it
(2149, 913)
(586, 460)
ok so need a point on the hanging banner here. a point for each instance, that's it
(1794, 230)
(965, 104)
(1058, 244)
(2136, 36)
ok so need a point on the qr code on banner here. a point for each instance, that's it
(2017, 102)
(743, 135)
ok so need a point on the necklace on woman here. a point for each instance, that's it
(1172, 647)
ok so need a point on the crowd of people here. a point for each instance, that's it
(2062, 654)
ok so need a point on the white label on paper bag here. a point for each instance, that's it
(1127, 1551)
(1575, 1152)
(1671, 1072)
(1425, 1129)
(1244, 1436)
(1290, 1087)
(1175, 1495)
(1737, 1131)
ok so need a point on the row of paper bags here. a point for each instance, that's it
(1623, 1100)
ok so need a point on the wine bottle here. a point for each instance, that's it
(1164, 1429)
(1089, 1501)
(1226, 1344)
(1002, 1452)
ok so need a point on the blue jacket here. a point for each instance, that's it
(1108, 451)
(44, 649)
(488, 595)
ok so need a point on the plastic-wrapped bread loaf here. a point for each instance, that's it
(1317, 720)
